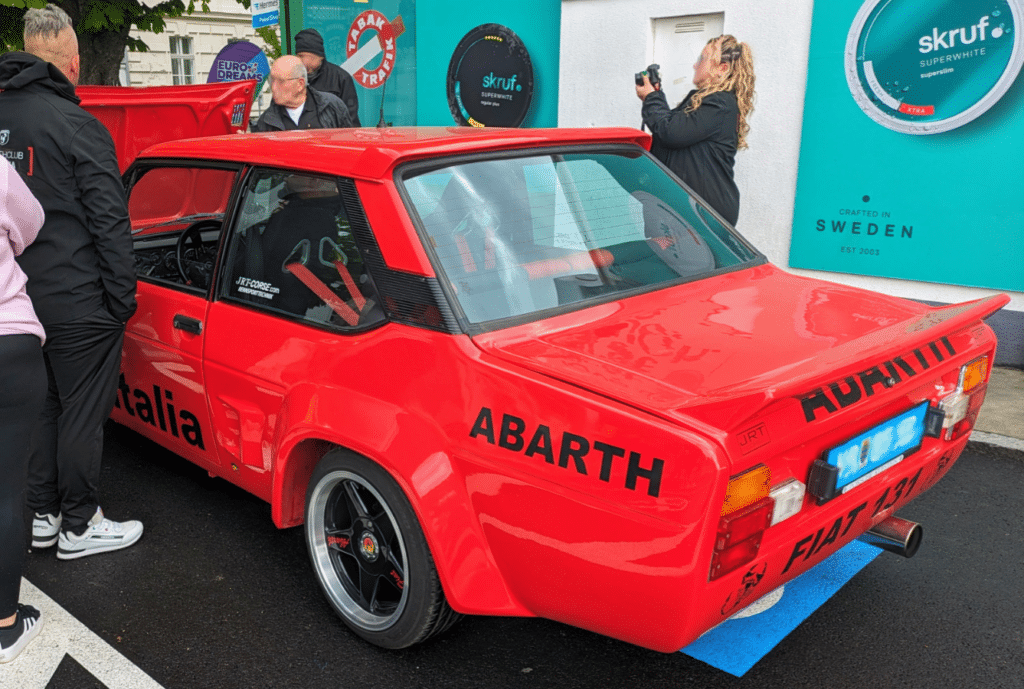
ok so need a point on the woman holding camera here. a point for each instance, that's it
(698, 139)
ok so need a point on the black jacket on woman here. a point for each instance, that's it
(700, 146)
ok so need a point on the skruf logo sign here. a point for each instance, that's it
(922, 67)
(490, 78)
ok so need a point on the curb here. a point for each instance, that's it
(992, 443)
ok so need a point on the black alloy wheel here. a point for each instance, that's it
(370, 555)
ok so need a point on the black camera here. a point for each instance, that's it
(652, 76)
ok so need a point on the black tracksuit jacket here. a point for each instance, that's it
(82, 259)
(700, 147)
(331, 78)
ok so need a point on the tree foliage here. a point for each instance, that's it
(272, 40)
(102, 27)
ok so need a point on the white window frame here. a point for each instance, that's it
(182, 61)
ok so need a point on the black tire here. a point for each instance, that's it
(370, 556)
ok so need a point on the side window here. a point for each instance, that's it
(176, 217)
(293, 253)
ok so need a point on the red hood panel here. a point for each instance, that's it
(139, 117)
(758, 332)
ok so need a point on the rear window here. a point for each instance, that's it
(518, 236)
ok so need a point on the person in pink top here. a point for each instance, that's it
(22, 393)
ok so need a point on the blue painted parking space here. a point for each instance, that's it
(739, 643)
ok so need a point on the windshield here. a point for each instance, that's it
(516, 236)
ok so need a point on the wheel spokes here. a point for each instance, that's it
(355, 501)
(396, 571)
(368, 586)
(339, 540)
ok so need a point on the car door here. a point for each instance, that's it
(293, 289)
(177, 211)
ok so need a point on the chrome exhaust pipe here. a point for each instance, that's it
(895, 535)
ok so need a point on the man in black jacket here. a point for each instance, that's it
(296, 106)
(81, 279)
(326, 76)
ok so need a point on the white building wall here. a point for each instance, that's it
(604, 42)
(210, 32)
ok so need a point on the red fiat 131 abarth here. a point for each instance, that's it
(526, 372)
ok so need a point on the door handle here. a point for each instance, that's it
(189, 325)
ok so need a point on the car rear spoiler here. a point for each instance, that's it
(139, 117)
(912, 332)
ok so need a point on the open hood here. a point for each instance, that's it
(139, 117)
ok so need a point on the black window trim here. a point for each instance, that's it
(141, 165)
(222, 286)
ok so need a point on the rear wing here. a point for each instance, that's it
(139, 117)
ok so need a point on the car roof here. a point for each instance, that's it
(370, 153)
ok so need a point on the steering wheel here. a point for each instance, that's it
(195, 260)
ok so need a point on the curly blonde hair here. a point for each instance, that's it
(739, 79)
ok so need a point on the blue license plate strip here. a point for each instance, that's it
(889, 442)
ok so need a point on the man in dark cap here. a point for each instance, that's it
(324, 75)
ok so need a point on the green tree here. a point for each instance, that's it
(272, 39)
(102, 27)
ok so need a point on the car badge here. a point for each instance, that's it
(368, 547)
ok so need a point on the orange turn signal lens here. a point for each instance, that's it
(973, 374)
(747, 488)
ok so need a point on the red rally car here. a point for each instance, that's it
(526, 372)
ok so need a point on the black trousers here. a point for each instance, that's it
(22, 391)
(83, 359)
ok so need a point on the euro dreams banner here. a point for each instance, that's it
(912, 156)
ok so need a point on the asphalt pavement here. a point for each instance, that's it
(215, 596)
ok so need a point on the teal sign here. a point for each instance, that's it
(375, 42)
(913, 128)
(926, 68)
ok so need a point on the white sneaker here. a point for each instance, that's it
(102, 536)
(27, 624)
(45, 528)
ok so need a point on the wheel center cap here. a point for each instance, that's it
(368, 546)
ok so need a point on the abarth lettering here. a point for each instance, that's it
(852, 389)
(160, 412)
(512, 435)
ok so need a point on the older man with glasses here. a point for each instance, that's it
(298, 106)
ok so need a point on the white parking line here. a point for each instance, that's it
(1000, 440)
(63, 634)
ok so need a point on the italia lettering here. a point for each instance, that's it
(159, 411)
(850, 390)
(570, 451)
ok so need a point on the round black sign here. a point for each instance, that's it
(490, 78)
